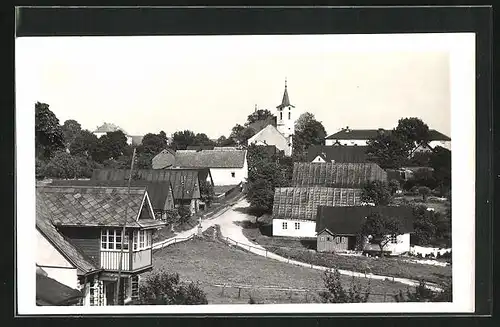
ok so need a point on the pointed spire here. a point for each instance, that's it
(286, 100)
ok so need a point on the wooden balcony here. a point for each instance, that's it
(131, 261)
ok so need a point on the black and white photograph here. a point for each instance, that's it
(246, 173)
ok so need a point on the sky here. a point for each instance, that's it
(210, 83)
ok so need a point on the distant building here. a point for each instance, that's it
(337, 154)
(360, 137)
(109, 127)
(338, 228)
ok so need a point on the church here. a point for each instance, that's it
(280, 132)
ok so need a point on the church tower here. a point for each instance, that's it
(285, 120)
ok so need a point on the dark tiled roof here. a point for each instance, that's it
(211, 159)
(353, 175)
(157, 191)
(367, 134)
(93, 206)
(200, 147)
(285, 102)
(45, 226)
(51, 292)
(348, 220)
(302, 202)
(165, 158)
(339, 153)
(185, 182)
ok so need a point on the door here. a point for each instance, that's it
(109, 291)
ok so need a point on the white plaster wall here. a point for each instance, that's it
(54, 263)
(444, 144)
(403, 245)
(271, 136)
(347, 142)
(307, 228)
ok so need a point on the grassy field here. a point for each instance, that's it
(431, 202)
(212, 262)
(297, 249)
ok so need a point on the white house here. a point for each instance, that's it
(227, 166)
(109, 127)
(271, 136)
(337, 228)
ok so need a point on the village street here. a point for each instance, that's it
(228, 221)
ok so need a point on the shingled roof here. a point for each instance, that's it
(210, 159)
(184, 181)
(69, 251)
(109, 127)
(301, 203)
(158, 192)
(348, 220)
(338, 153)
(87, 206)
(350, 175)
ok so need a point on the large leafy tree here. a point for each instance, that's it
(182, 139)
(49, 137)
(62, 165)
(85, 143)
(153, 143)
(261, 114)
(376, 192)
(241, 134)
(308, 131)
(223, 141)
(412, 131)
(387, 150)
(379, 229)
(71, 128)
(111, 146)
(337, 293)
(202, 139)
(440, 161)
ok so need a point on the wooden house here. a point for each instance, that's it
(340, 175)
(295, 208)
(184, 182)
(338, 228)
(79, 238)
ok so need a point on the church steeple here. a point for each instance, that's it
(285, 102)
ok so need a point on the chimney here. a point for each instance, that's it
(347, 129)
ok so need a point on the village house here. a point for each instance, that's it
(338, 229)
(277, 131)
(295, 208)
(349, 175)
(164, 159)
(109, 127)
(360, 137)
(185, 184)
(79, 241)
(336, 154)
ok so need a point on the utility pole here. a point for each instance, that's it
(118, 285)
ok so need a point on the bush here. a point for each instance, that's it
(337, 294)
(423, 294)
(424, 191)
(163, 288)
(184, 214)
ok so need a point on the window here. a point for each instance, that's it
(142, 240)
(281, 115)
(394, 239)
(284, 225)
(233, 174)
(289, 115)
(322, 238)
(297, 225)
(328, 238)
(111, 239)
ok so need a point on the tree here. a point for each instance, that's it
(387, 150)
(184, 213)
(423, 294)
(424, 191)
(379, 229)
(376, 192)
(207, 193)
(163, 288)
(181, 140)
(308, 131)
(111, 146)
(71, 128)
(85, 143)
(202, 139)
(39, 169)
(413, 132)
(440, 161)
(424, 226)
(241, 134)
(264, 175)
(144, 160)
(49, 137)
(394, 186)
(223, 141)
(153, 143)
(336, 293)
(261, 114)
(62, 165)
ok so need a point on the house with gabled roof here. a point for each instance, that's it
(184, 182)
(338, 228)
(295, 208)
(110, 127)
(79, 239)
